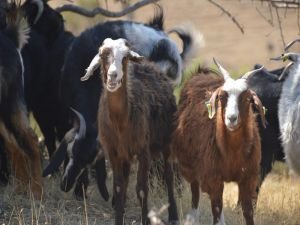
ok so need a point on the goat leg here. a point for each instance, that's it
(216, 199)
(247, 196)
(118, 188)
(169, 176)
(142, 184)
(16, 156)
(29, 140)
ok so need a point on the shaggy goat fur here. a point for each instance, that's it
(289, 117)
(135, 121)
(208, 154)
(17, 138)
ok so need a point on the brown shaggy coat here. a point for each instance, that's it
(135, 122)
(207, 153)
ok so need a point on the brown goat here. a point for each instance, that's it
(221, 149)
(135, 119)
(17, 138)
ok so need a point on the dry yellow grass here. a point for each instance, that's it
(278, 204)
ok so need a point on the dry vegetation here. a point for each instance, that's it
(279, 200)
(278, 203)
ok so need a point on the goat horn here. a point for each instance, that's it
(290, 44)
(287, 56)
(91, 68)
(248, 74)
(222, 70)
(285, 69)
(82, 126)
(40, 6)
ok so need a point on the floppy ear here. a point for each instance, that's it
(95, 63)
(211, 104)
(135, 56)
(261, 109)
(57, 159)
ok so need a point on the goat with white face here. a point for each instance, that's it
(232, 92)
(228, 149)
(137, 102)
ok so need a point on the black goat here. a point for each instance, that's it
(268, 88)
(16, 137)
(43, 58)
(147, 40)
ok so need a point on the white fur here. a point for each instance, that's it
(221, 220)
(142, 39)
(22, 66)
(192, 217)
(233, 88)
(23, 33)
(119, 50)
(70, 164)
(95, 63)
(289, 117)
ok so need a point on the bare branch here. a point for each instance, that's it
(228, 14)
(283, 3)
(298, 18)
(280, 26)
(265, 18)
(101, 11)
(271, 12)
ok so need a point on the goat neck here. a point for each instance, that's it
(234, 141)
(117, 101)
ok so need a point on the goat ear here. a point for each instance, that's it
(95, 63)
(211, 104)
(261, 109)
(57, 159)
(135, 56)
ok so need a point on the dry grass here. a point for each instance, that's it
(278, 203)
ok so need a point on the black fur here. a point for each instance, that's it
(268, 89)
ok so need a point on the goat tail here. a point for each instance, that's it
(17, 26)
(192, 40)
(157, 22)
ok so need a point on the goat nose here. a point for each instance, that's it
(232, 118)
(113, 75)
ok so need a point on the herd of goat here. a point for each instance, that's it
(222, 129)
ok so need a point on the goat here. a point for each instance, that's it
(84, 97)
(268, 86)
(137, 101)
(43, 60)
(213, 151)
(17, 138)
(288, 110)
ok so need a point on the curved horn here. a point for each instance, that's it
(222, 70)
(284, 70)
(248, 74)
(81, 126)
(290, 44)
(40, 6)
(91, 68)
(287, 56)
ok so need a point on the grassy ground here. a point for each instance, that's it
(278, 203)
